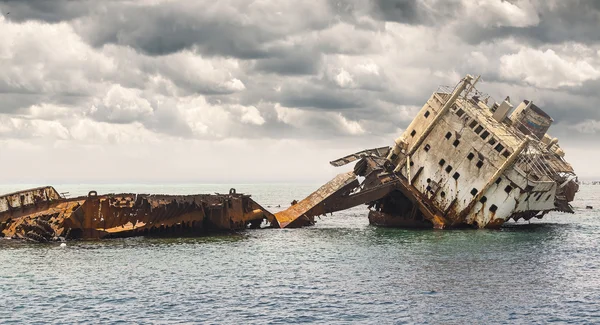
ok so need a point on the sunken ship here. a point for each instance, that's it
(464, 161)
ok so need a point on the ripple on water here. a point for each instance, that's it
(340, 271)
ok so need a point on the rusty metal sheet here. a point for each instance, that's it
(296, 211)
(376, 152)
(127, 214)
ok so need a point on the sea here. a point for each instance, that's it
(340, 271)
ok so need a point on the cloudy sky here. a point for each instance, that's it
(270, 91)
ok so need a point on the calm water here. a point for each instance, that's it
(340, 271)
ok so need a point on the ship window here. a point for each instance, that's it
(478, 129)
(460, 112)
(412, 134)
(499, 147)
(442, 162)
(548, 198)
(539, 196)
(427, 114)
(471, 156)
(448, 135)
(443, 194)
(506, 153)
(508, 189)
(412, 163)
(483, 199)
(493, 208)
(498, 180)
(479, 164)
(492, 141)
(474, 192)
(428, 180)
(456, 176)
(456, 143)
(427, 147)
(473, 124)
(485, 134)
(528, 196)
(448, 169)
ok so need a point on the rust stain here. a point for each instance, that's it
(52, 217)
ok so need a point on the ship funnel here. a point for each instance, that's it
(502, 110)
(530, 119)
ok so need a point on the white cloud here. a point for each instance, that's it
(251, 115)
(49, 58)
(546, 69)
(496, 13)
(122, 105)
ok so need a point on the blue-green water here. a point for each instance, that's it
(340, 271)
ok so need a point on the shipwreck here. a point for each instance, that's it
(42, 214)
(464, 161)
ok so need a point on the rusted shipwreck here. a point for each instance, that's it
(42, 214)
(464, 161)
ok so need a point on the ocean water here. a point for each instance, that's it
(340, 271)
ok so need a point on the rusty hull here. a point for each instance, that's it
(43, 215)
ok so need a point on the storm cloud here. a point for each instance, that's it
(272, 79)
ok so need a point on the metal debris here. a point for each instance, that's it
(41, 215)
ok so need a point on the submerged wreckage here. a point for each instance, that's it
(464, 161)
(42, 214)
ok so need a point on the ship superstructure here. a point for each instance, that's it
(479, 165)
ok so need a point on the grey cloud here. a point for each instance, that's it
(295, 62)
(287, 63)
(213, 28)
(48, 10)
(321, 98)
(560, 21)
